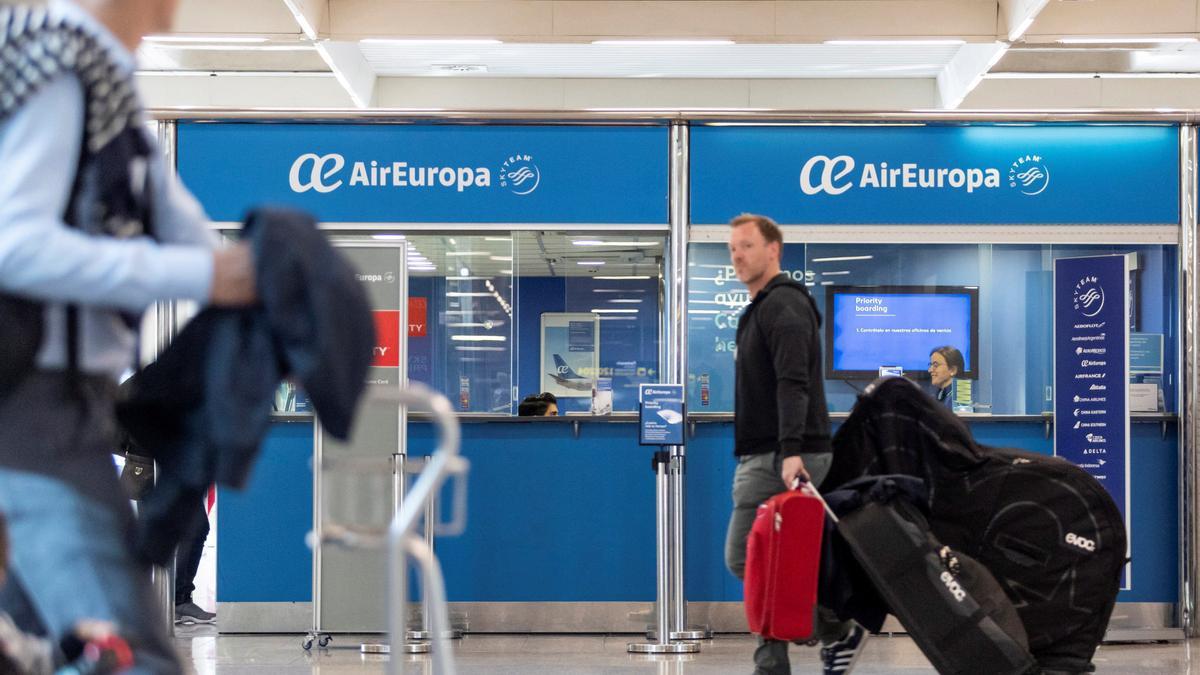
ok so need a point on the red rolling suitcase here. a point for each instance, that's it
(783, 563)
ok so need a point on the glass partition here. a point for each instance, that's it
(497, 316)
(994, 300)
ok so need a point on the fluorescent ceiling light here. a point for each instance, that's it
(624, 290)
(497, 238)
(466, 254)
(826, 283)
(884, 42)
(704, 311)
(618, 278)
(508, 272)
(460, 294)
(635, 301)
(500, 258)
(839, 273)
(212, 39)
(448, 42)
(488, 325)
(665, 43)
(614, 311)
(481, 349)
(388, 237)
(465, 278)
(478, 338)
(244, 48)
(597, 242)
(589, 262)
(1146, 39)
(844, 258)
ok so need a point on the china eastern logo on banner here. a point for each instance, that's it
(836, 175)
(326, 173)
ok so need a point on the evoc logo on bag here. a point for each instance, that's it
(1081, 542)
(952, 585)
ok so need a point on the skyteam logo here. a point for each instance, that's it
(520, 175)
(835, 175)
(1029, 175)
(1088, 296)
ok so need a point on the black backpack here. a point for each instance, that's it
(1048, 531)
(1054, 539)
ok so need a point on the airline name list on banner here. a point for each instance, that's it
(1091, 370)
(980, 174)
(430, 173)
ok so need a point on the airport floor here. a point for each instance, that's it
(211, 654)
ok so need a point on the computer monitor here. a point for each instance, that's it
(868, 327)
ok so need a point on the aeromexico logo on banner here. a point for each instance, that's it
(836, 175)
(517, 173)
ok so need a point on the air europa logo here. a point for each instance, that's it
(325, 173)
(837, 175)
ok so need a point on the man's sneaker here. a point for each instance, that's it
(188, 614)
(839, 658)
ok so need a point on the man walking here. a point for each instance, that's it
(93, 229)
(781, 423)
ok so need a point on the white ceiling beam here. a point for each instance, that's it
(352, 71)
(965, 71)
(311, 15)
(1019, 15)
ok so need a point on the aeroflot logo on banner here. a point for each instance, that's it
(836, 175)
(324, 173)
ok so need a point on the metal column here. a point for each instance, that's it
(676, 337)
(1190, 414)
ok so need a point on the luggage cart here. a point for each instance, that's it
(401, 540)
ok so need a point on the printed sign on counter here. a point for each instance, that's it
(1091, 371)
(660, 420)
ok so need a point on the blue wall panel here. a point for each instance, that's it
(555, 518)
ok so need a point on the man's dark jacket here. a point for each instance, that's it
(202, 409)
(780, 383)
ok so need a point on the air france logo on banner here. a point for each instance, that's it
(326, 173)
(836, 175)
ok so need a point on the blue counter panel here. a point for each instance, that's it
(553, 518)
(261, 555)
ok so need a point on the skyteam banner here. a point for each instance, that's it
(433, 173)
(982, 174)
(1091, 372)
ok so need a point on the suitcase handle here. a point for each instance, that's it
(802, 484)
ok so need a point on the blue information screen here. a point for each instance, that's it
(870, 329)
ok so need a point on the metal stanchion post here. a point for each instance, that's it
(425, 633)
(661, 518)
(400, 583)
(680, 630)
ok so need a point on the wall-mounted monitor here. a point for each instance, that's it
(868, 327)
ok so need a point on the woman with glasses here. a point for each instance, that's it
(945, 364)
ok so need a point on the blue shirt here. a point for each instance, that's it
(43, 258)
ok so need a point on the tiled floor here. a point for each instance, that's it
(563, 655)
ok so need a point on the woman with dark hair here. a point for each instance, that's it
(544, 404)
(945, 364)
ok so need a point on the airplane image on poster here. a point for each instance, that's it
(567, 377)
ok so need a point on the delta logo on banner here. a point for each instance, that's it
(387, 339)
(417, 317)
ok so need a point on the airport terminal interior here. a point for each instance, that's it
(537, 195)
